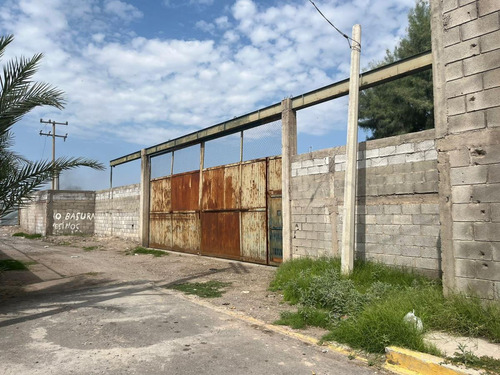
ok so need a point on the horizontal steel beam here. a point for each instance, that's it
(265, 115)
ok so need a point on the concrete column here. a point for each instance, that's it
(145, 192)
(288, 150)
(467, 117)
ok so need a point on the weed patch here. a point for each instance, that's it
(463, 356)
(366, 309)
(12, 265)
(90, 248)
(143, 250)
(209, 289)
(26, 235)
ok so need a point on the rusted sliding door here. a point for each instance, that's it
(229, 220)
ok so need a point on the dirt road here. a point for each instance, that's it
(86, 306)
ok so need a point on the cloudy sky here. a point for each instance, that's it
(140, 72)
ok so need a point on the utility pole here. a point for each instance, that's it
(348, 233)
(55, 174)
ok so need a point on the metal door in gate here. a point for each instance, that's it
(275, 230)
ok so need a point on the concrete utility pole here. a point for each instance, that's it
(55, 174)
(348, 233)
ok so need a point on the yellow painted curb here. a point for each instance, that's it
(406, 361)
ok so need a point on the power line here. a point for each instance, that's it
(337, 29)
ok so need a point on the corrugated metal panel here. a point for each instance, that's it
(221, 190)
(232, 188)
(160, 230)
(160, 195)
(254, 242)
(213, 189)
(186, 232)
(274, 176)
(253, 189)
(185, 191)
(220, 234)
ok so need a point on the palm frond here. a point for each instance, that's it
(17, 187)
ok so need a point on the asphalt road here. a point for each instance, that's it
(139, 328)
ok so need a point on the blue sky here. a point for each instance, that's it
(137, 73)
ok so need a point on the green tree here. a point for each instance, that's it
(405, 105)
(18, 96)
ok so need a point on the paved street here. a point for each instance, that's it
(136, 328)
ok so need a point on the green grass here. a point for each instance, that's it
(90, 248)
(463, 356)
(209, 289)
(366, 309)
(143, 250)
(26, 235)
(12, 265)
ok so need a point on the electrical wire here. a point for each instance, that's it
(349, 39)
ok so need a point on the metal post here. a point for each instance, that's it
(55, 174)
(348, 233)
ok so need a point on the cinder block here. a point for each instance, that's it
(429, 252)
(425, 145)
(306, 163)
(476, 174)
(454, 70)
(487, 231)
(466, 268)
(459, 16)
(405, 148)
(480, 26)
(474, 250)
(483, 288)
(488, 193)
(488, 154)
(426, 187)
(490, 42)
(464, 86)
(463, 231)
(402, 219)
(471, 212)
(493, 117)
(461, 194)
(432, 176)
(415, 157)
(461, 51)
(466, 122)
(484, 99)
(495, 212)
(451, 36)
(481, 63)
(449, 5)
(396, 159)
(487, 6)
(410, 209)
(389, 150)
(427, 263)
(456, 105)
(492, 77)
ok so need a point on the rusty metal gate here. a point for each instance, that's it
(230, 211)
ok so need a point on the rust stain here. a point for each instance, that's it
(253, 185)
(254, 244)
(220, 234)
(186, 232)
(185, 191)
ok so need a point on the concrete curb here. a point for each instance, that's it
(398, 360)
(405, 361)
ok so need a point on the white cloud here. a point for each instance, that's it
(125, 11)
(144, 91)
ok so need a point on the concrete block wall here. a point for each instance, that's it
(72, 212)
(117, 212)
(466, 49)
(397, 219)
(33, 216)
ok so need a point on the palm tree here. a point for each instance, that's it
(19, 95)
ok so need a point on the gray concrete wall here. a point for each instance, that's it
(466, 51)
(72, 212)
(117, 212)
(33, 215)
(397, 219)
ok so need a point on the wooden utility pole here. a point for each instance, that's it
(55, 174)
(348, 232)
